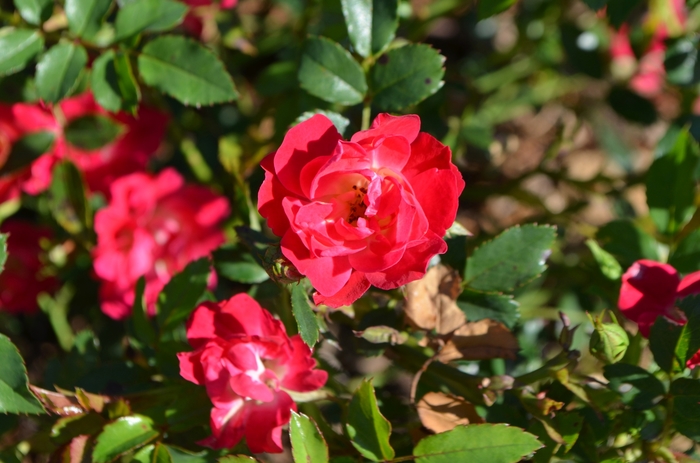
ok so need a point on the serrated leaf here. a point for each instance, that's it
(609, 266)
(488, 8)
(340, 122)
(85, 16)
(367, 428)
(17, 48)
(329, 72)
(512, 259)
(637, 386)
(121, 436)
(34, 11)
(308, 445)
(479, 306)
(304, 315)
(58, 69)
(68, 199)
(492, 443)
(186, 70)
(113, 82)
(671, 185)
(178, 298)
(406, 76)
(27, 149)
(15, 396)
(154, 15)
(686, 407)
(371, 24)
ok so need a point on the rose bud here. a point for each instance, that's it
(609, 341)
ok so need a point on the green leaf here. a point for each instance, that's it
(686, 257)
(340, 122)
(17, 47)
(92, 132)
(121, 436)
(157, 453)
(3, 251)
(681, 62)
(672, 344)
(686, 407)
(113, 82)
(234, 263)
(236, 459)
(139, 321)
(609, 266)
(512, 259)
(58, 69)
(186, 70)
(27, 149)
(488, 8)
(638, 387)
(329, 72)
(69, 427)
(15, 396)
(487, 443)
(631, 106)
(68, 200)
(406, 76)
(183, 456)
(371, 24)
(85, 16)
(180, 295)
(671, 186)
(34, 11)
(304, 315)
(368, 430)
(478, 306)
(308, 445)
(627, 242)
(154, 15)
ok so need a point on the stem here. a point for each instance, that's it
(366, 116)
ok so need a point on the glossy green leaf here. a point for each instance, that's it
(157, 453)
(627, 242)
(681, 62)
(487, 443)
(186, 70)
(17, 48)
(406, 76)
(686, 257)
(686, 407)
(26, 149)
(308, 445)
(672, 344)
(371, 24)
(15, 396)
(180, 295)
(488, 8)
(367, 429)
(609, 266)
(329, 72)
(113, 82)
(153, 15)
(34, 11)
(121, 436)
(671, 185)
(478, 306)
(179, 455)
(85, 16)
(304, 314)
(58, 70)
(340, 122)
(512, 259)
(637, 386)
(68, 199)
(234, 263)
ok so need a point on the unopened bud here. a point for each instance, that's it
(609, 341)
(280, 269)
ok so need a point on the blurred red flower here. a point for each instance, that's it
(194, 22)
(153, 226)
(22, 280)
(372, 210)
(247, 362)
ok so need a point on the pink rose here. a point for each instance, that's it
(129, 152)
(153, 226)
(246, 361)
(22, 280)
(650, 290)
(372, 210)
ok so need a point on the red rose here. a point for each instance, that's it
(197, 18)
(129, 152)
(153, 226)
(246, 361)
(22, 280)
(650, 290)
(372, 210)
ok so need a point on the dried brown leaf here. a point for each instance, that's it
(430, 301)
(441, 412)
(485, 339)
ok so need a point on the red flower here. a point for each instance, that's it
(650, 290)
(21, 281)
(129, 152)
(246, 361)
(153, 226)
(372, 210)
(194, 22)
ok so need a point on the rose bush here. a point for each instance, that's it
(153, 227)
(247, 362)
(369, 211)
